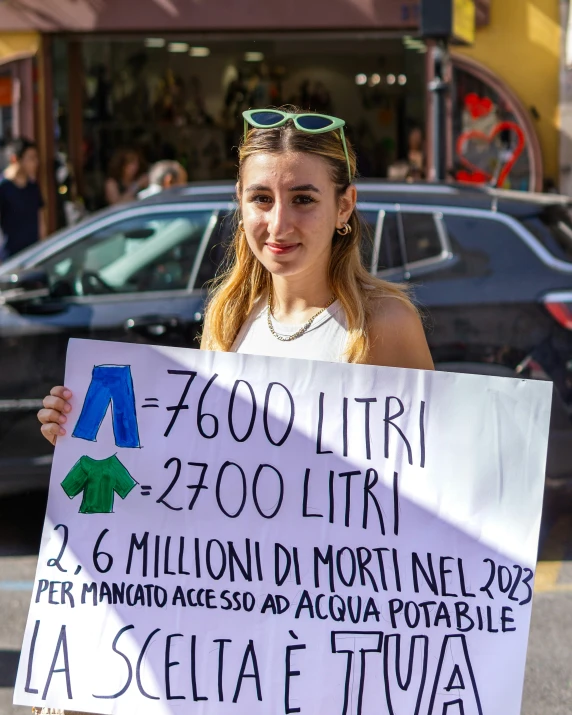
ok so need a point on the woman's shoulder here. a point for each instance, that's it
(396, 334)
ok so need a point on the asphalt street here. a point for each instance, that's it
(548, 683)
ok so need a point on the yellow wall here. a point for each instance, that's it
(521, 45)
(17, 43)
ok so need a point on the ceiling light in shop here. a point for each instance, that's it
(390, 79)
(374, 79)
(253, 56)
(178, 47)
(402, 79)
(154, 42)
(361, 78)
(199, 52)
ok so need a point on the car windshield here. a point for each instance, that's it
(553, 228)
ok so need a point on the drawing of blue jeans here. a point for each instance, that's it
(110, 384)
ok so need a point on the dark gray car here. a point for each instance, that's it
(493, 271)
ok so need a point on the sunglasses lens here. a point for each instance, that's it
(266, 119)
(309, 121)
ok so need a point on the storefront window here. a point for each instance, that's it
(490, 144)
(174, 99)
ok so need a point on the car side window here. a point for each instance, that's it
(390, 255)
(151, 252)
(488, 243)
(421, 237)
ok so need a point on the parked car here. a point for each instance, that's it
(492, 269)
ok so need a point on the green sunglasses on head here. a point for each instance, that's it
(308, 122)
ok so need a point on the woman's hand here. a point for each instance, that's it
(53, 414)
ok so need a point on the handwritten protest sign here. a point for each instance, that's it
(238, 534)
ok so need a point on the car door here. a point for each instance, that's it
(134, 280)
(130, 277)
(484, 301)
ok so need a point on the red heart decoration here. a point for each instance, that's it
(477, 175)
(478, 106)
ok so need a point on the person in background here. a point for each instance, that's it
(126, 177)
(164, 175)
(22, 220)
(415, 149)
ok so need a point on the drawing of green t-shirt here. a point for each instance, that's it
(98, 479)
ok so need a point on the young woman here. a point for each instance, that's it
(294, 285)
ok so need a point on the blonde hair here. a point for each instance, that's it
(243, 279)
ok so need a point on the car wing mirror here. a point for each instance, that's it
(24, 285)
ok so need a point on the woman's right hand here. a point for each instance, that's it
(53, 414)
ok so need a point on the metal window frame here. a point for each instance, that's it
(410, 268)
(206, 237)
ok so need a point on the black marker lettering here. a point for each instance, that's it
(221, 642)
(305, 498)
(248, 653)
(129, 666)
(196, 696)
(367, 402)
(175, 409)
(290, 674)
(250, 427)
(63, 644)
(280, 442)
(371, 479)
(28, 687)
(139, 664)
(389, 421)
(200, 485)
(171, 664)
(319, 449)
(353, 643)
(218, 489)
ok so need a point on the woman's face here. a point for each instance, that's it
(290, 211)
(131, 168)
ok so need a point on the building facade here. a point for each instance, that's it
(172, 78)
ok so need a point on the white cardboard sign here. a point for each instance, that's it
(240, 534)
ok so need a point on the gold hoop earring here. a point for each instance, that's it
(241, 226)
(344, 230)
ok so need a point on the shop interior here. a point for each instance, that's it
(182, 97)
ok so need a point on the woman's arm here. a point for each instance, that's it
(397, 338)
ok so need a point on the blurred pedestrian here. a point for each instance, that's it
(163, 175)
(415, 149)
(22, 221)
(126, 177)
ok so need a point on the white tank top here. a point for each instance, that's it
(324, 340)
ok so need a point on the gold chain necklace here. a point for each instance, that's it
(298, 333)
